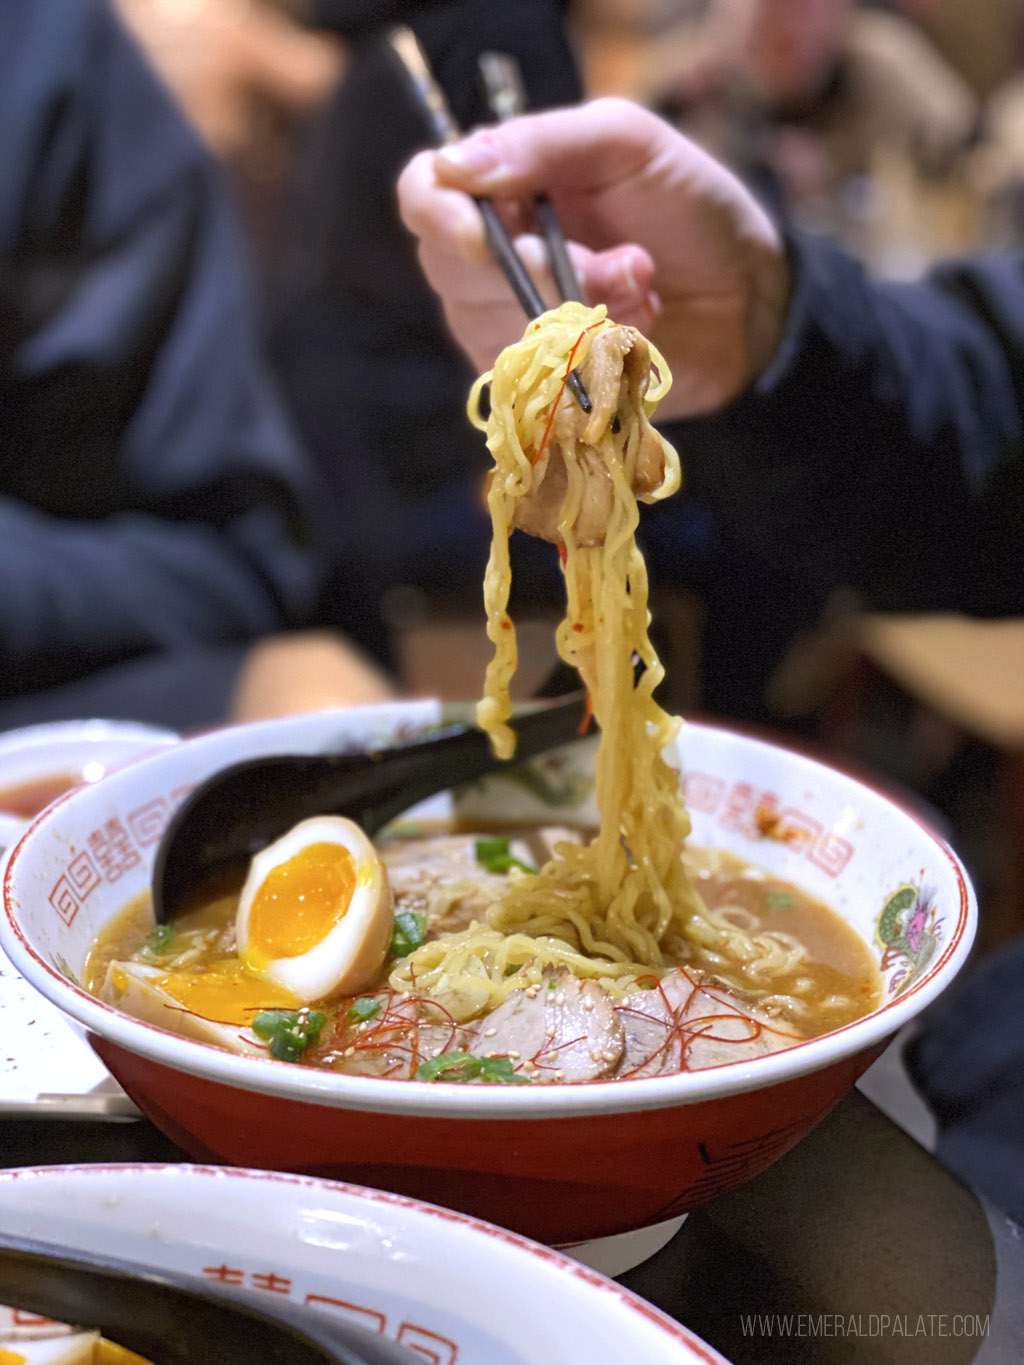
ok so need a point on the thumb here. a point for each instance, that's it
(589, 146)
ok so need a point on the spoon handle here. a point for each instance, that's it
(241, 809)
(420, 770)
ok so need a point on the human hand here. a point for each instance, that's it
(661, 233)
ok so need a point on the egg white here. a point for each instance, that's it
(77, 1349)
(351, 953)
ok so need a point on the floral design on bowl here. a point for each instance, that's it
(909, 930)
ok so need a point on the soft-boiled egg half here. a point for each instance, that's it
(316, 914)
(79, 1348)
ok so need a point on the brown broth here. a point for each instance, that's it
(836, 982)
(29, 798)
(839, 964)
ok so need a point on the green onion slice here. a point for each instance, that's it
(494, 856)
(462, 1067)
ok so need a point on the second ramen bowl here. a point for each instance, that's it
(563, 1164)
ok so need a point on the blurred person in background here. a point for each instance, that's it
(248, 76)
(881, 423)
(151, 489)
(983, 40)
(825, 108)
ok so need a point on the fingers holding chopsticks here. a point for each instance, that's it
(456, 260)
(455, 257)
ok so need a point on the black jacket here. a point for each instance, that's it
(148, 481)
(883, 447)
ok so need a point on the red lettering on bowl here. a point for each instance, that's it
(64, 900)
(83, 876)
(149, 821)
(356, 1311)
(438, 1350)
(831, 854)
(703, 792)
(113, 849)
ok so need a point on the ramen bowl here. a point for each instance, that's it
(448, 1287)
(563, 1164)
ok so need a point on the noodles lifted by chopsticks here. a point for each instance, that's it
(624, 898)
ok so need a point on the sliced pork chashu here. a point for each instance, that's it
(616, 374)
(563, 1030)
(687, 1025)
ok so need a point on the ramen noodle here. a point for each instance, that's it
(620, 904)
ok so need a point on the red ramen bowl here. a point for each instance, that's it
(563, 1164)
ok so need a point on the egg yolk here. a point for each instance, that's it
(225, 993)
(109, 1353)
(299, 902)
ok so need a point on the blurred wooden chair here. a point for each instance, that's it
(970, 674)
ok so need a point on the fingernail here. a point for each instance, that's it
(475, 154)
(629, 279)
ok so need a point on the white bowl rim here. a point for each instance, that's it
(674, 1330)
(93, 727)
(448, 1100)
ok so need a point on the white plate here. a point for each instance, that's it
(46, 1069)
(455, 1290)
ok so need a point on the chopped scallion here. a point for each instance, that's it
(409, 932)
(365, 1008)
(160, 939)
(289, 1032)
(494, 855)
(779, 900)
(462, 1067)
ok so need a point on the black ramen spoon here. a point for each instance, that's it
(170, 1320)
(246, 806)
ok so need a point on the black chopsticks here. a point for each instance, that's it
(444, 128)
(506, 97)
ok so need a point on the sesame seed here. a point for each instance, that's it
(608, 1055)
(490, 1032)
(514, 1055)
(560, 998)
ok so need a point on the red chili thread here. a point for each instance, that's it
(561, 389)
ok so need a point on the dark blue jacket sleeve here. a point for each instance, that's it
(149, 483)
(883, 447)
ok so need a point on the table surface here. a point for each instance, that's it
(855, 1247)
